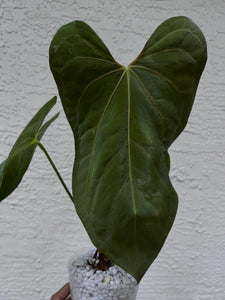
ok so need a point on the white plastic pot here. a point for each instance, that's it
(87, 283)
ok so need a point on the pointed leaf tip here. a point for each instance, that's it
(14, 167)
(124, 120)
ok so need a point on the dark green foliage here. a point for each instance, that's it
(123, 120)
(15, 166)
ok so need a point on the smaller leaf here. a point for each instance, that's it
(14, 167)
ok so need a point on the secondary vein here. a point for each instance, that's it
(158, 74)
(98, 126)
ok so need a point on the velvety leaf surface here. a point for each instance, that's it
(15, 166)
(123, 120)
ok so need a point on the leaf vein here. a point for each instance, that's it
(108, 163)
(138, 145)
(165, 50)
(98, 125)
(152, 100)
(94, 58)
(92, 82)
(159, 74)
(142, 190)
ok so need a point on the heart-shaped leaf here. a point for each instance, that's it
(15, 166)
(123, 120)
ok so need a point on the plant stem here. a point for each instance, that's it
(55, 169)
(103, 262)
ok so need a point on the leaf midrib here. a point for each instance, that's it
(98, 126)
(127, 71)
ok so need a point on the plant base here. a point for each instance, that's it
(88, 283)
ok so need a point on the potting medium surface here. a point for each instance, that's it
(87, 283)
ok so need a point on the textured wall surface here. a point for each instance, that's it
(39, 229)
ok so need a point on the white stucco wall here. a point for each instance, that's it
(39, 229)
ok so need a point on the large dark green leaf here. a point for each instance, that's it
(14, 167)
(123, 120)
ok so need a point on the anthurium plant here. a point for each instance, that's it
(123, 118)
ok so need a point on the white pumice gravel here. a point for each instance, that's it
(87, 283)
